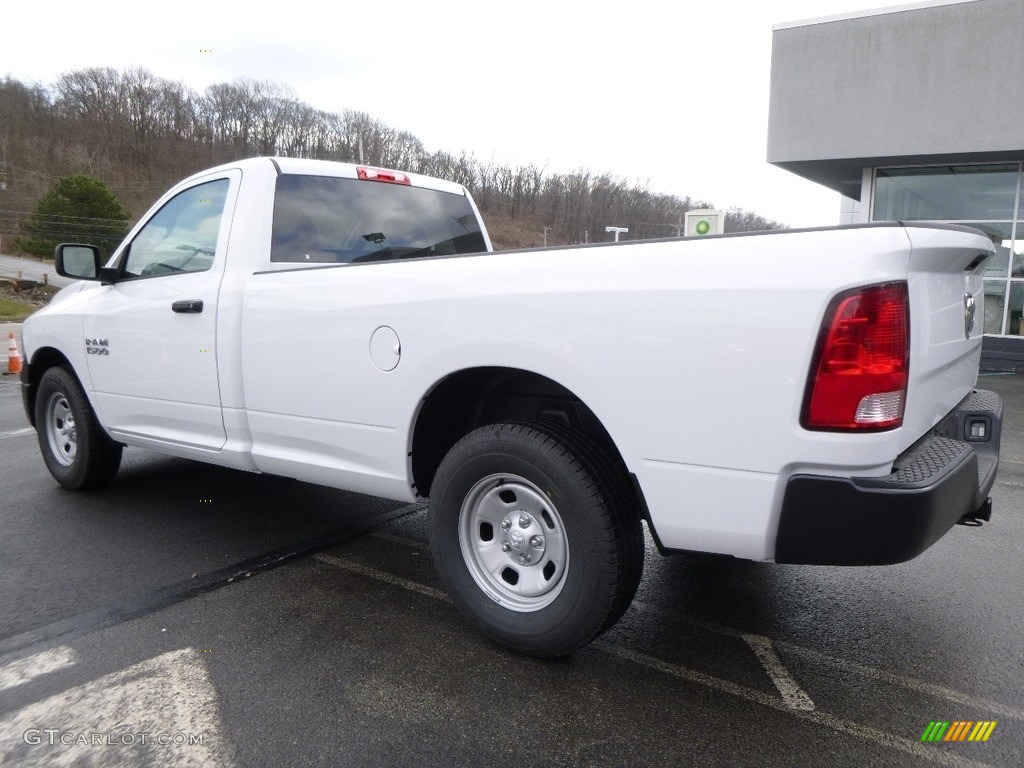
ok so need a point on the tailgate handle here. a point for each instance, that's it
(188, 306)
(976, 262)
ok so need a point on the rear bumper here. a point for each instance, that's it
(943, 478)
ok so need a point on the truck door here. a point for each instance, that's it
(151, 336)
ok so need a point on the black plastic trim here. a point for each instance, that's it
(645, 514)
(939, 481)
(27, 393)
(187, 306)
(358, 264)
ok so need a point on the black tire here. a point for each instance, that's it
(78, 453)
(510, 491)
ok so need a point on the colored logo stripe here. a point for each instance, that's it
(958, 730)
(982, 731)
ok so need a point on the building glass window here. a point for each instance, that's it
(948, 192)
(1002, 240)
(1017, 255)
(1015, 309)
(995, 305)
(986, 197)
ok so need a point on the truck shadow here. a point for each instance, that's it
(160, 522)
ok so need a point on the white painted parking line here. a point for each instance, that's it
(161, 711)
(17, 433)
(979, 703)
(404, 541)
(373, 573)
(881, 738)
(786, 684)
(22, 671)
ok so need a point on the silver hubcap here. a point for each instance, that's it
(513, 542)
(60, 429)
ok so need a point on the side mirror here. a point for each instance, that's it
(82, 262)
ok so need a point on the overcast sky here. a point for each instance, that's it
(671, 94)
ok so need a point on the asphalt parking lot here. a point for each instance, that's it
(194, 616)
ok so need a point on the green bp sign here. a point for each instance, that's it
(704, 222)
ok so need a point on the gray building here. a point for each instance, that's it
(915, 113)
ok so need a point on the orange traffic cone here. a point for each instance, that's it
(13, 355)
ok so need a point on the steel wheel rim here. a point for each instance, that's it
(60, 429)
(513, 542)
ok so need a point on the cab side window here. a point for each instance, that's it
(182, 236)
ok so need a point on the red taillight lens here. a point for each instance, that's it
(859, 376)
(382, 174)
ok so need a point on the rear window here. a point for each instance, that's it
(320, 219)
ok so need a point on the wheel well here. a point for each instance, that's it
(41, 362)
(479, 396)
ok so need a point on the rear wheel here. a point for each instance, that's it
(533, 536)
(76, 450)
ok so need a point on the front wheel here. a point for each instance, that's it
(533, 536)
(77, 451)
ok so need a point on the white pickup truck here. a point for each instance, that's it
(797, 397)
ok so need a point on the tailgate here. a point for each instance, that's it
(946, 321)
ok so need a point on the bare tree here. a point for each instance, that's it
(139, 132)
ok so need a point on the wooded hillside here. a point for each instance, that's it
(140, 133)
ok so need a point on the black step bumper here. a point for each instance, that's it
(942, 479)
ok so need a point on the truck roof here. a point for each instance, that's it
(307, 167)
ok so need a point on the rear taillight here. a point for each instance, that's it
(382, 174)
(858, 379)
